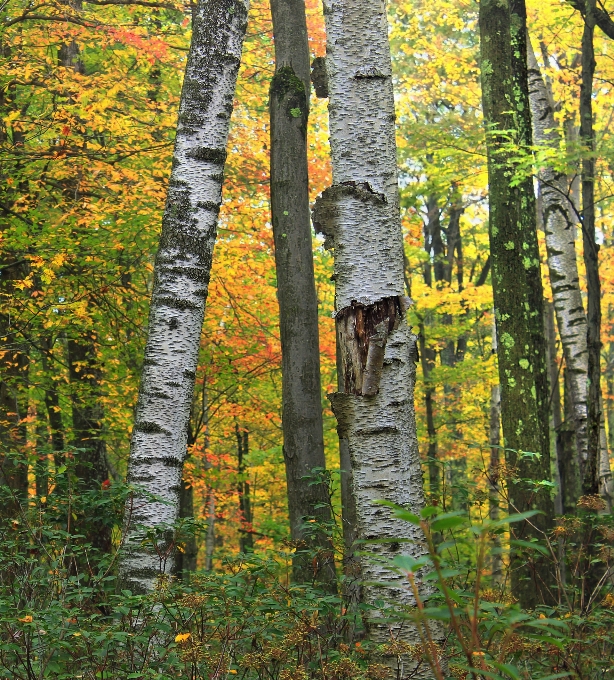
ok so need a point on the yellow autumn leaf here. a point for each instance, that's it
(26, 619)
(182, 637)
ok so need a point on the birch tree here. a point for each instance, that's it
(181, 278)
(359, 215)
(559, 222)
(296, 291)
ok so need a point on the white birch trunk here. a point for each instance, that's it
(359, 215)
(559, 222)
(181, 279)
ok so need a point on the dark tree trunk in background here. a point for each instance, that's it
(14, 351)
(14, 365)
(568, 462)
(427, 362)
(555, 400)
(246, 536)
(91, 467)
(298, 305)
(52, 402)
(590, 466)
(516, 281)
(85, 377)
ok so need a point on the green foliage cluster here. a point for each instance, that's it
(62, 617)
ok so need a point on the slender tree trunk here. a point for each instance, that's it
(296, 293)
(210, 538)
(14, 353)
(359, 215)
(559, 222)
(568, 462)
(14, 367)
(52, 403)
(555, 400)
(494, 476)
(516, 280)
(187, 554)
(590, 464)
(85, 378)
(246, 536)
(181, 278)
(427, 361)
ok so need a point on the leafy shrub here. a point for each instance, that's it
(61, 616)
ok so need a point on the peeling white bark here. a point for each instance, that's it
(559, 222)
(181, 278)
(359, 215)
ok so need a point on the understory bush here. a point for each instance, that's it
(61, 615)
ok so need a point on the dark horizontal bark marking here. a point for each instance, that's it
(176, 303)
(209, 205)
(167, 461)
(150, 428)
(206, 154)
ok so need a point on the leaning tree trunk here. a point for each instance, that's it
(359, 215)
(516, 280)
(296, 293)
(559, 225)
(181, 279)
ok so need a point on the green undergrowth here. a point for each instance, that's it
(61, 616)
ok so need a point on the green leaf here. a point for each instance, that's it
(296, 113)
(515, 518)
(408, 563)
(510, 670)
(61, 470)
(448, 520)
(407, 516)
(529, 546)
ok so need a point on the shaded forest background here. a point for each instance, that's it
(89, 103)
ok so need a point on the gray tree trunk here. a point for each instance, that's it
(181, 278)
(559, 222)
(296, 293)
(359, 215)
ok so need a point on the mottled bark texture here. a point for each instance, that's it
(296, 293)
(359, 215)
(559, 221)
(516, 280)
(181, 278)
(589, 466)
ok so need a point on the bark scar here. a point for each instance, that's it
(362, 332)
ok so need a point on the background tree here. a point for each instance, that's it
(517, 289)
(298, 305)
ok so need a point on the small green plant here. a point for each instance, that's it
(488, 634)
